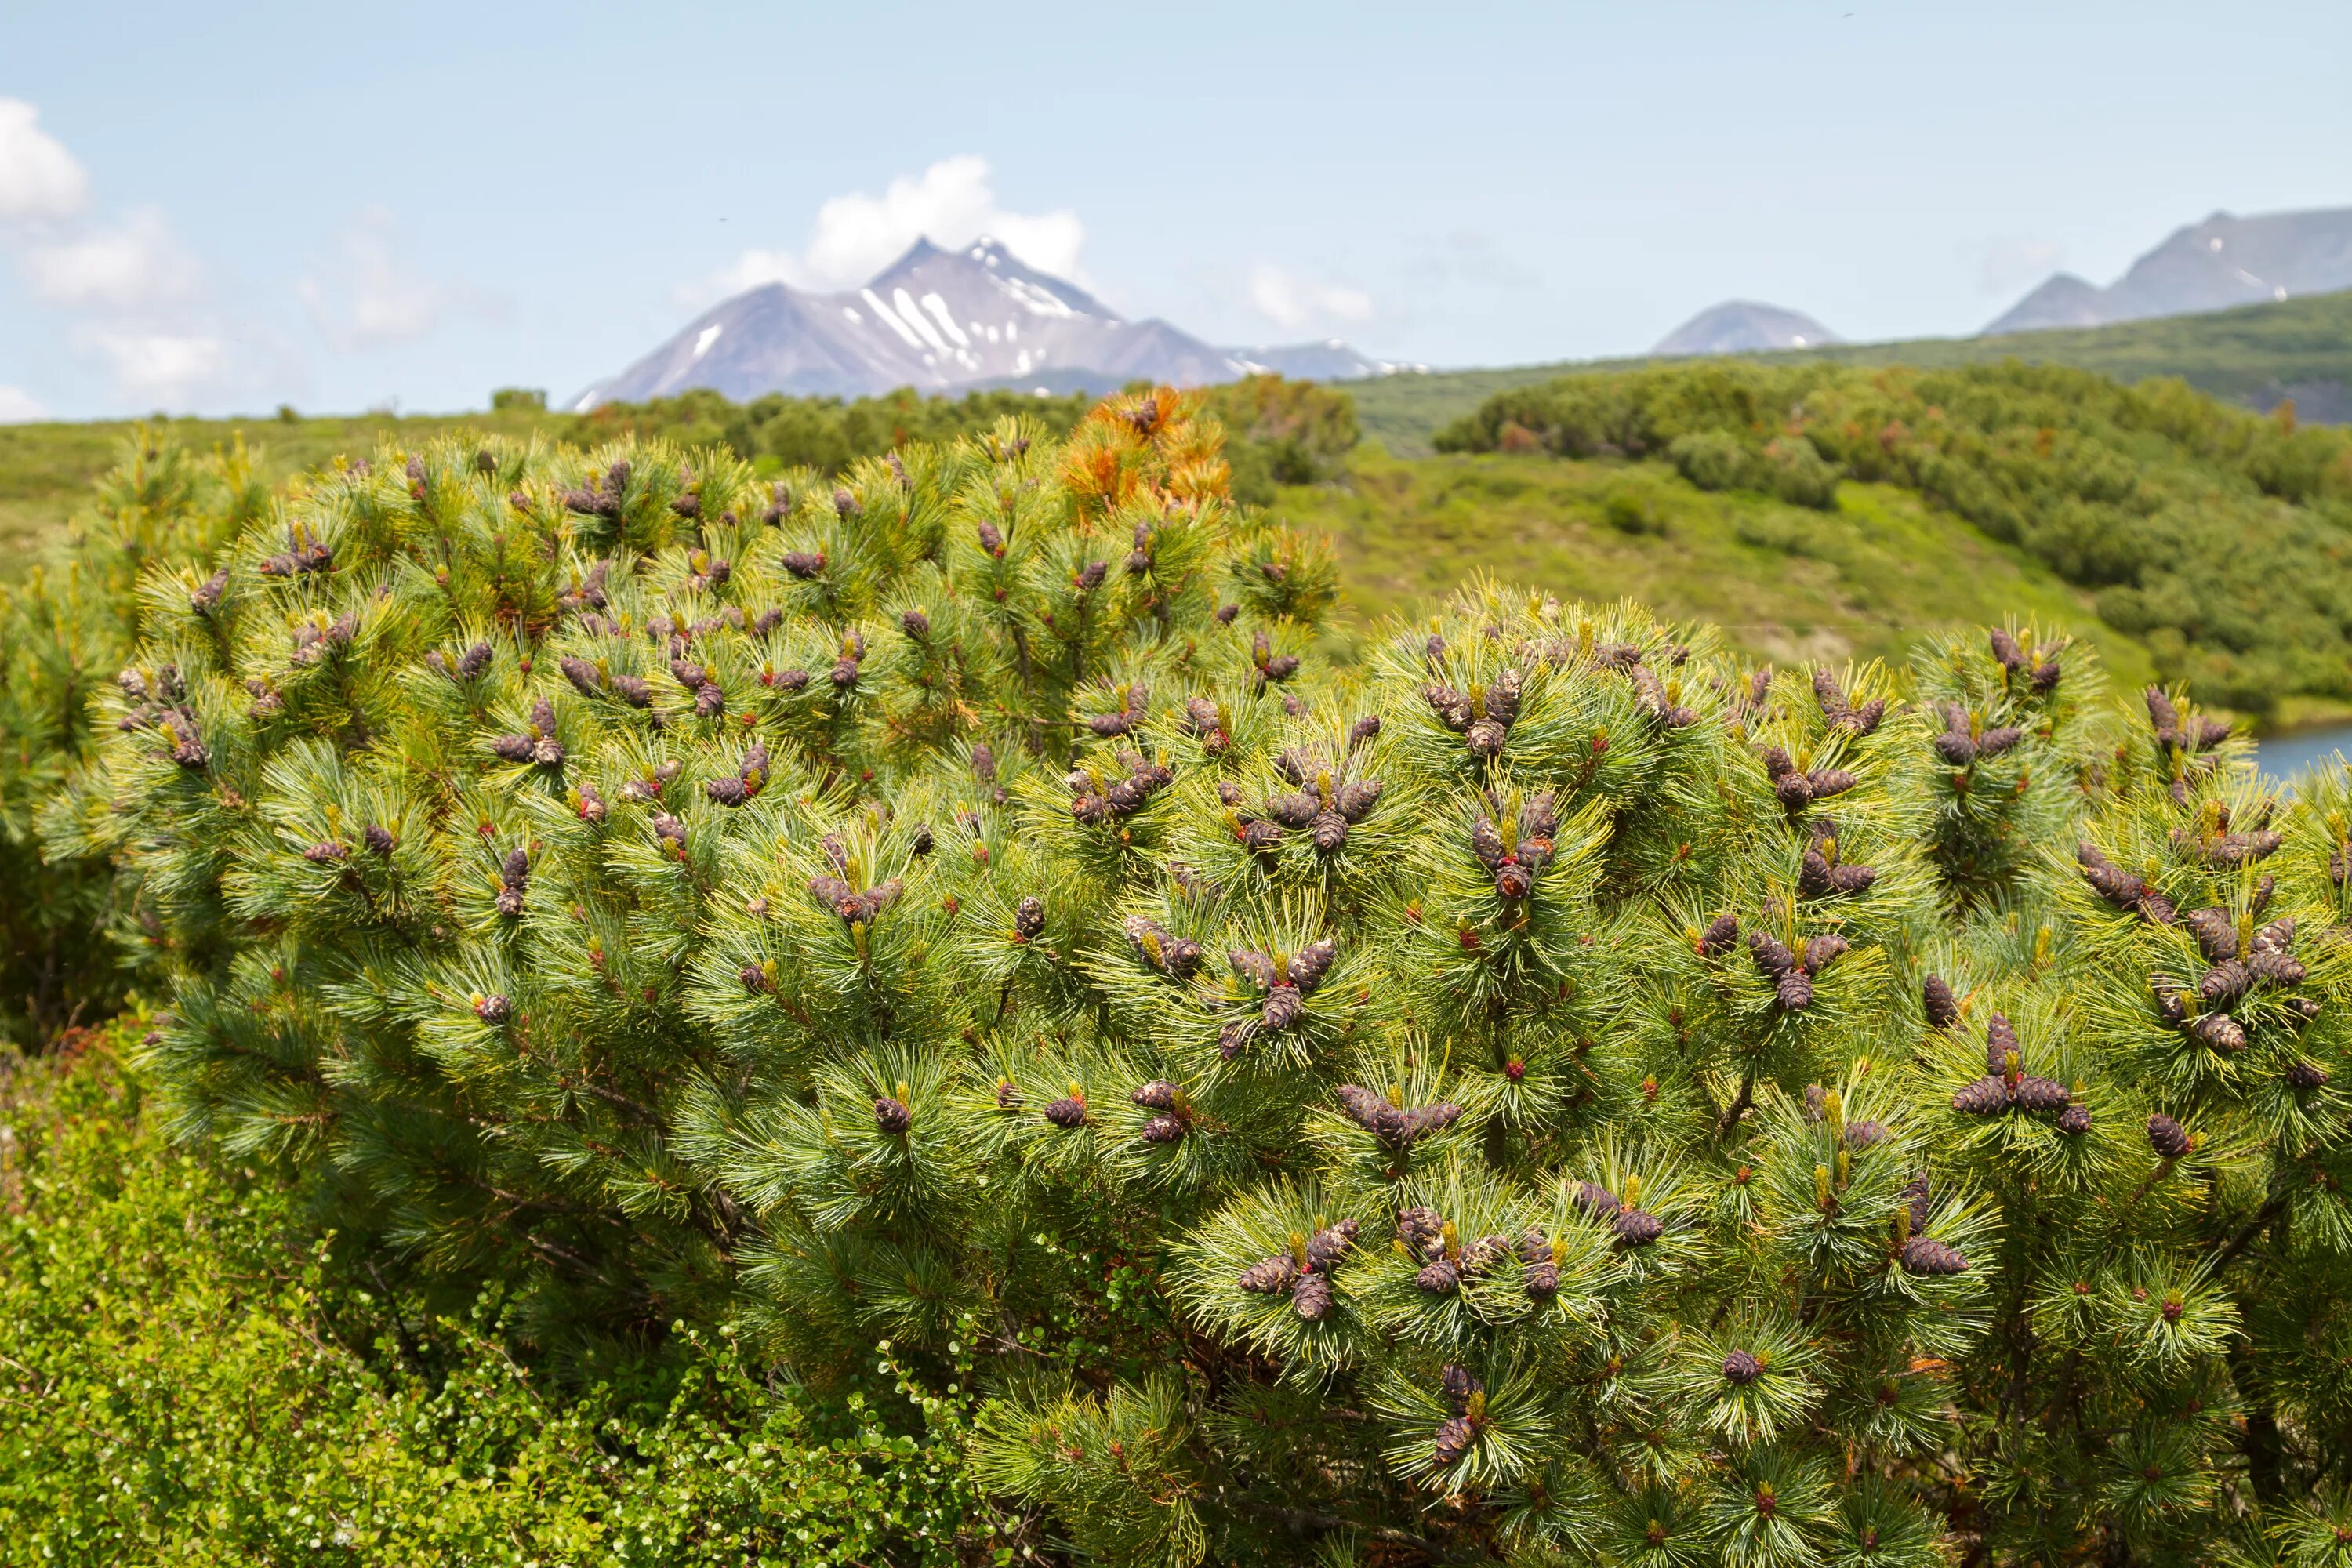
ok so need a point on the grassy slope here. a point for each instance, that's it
(2300, 348)
(1784, 583)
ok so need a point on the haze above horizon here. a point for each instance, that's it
(222, 212)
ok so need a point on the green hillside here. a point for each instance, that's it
(1785, 583)
(2219, 538)
(2300, 348)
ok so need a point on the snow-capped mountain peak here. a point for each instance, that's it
(935, 319)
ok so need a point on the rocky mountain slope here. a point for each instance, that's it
(2222, 262)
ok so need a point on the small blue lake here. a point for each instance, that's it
(2298, 751)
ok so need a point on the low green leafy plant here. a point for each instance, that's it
(191, 1375)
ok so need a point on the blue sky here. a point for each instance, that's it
(221, 208)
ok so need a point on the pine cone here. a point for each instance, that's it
(1772, 957)
(1541, 1281)
(1485, 1254)
(1456, 1385)
(1260, 835)
(1428, 1119)
(1329, 831)
(1825, 783)
(1310, 1298)
(1270, 1277)
(1029, 918)
(2167, 1137)
(2215, 932)
(1008, 1095)
(1486, 737)
(2000, 1044)
(1956, 749)
(1795, 790)
(1919, 1195)
(326, 854)
(1794, 991)
(2273, 967)
(2006, 652)
(1310, 964)
(1282, 1007)
(1158, 1095)
(1986, 1097)
(2220, 1031)
(1503, 696)
(1638, 1227)
(1596, 1200)
(2225, 983)
(1994, 742)
(2277, 937)
(1721, 933)
(378, 839)
(892, 1115)
(1422, 1230)
(1831, 699)
(1822, 950)
(493, 1008)
(2042, 1094)
(2111, 881)
(1326, 1247)
(1355, 799)
(1067, 1114)
(1923, 1256)
(2306, 1074)
(1369, 1110)
(1455, 1434)
(1741, 1368)
(1292, 810)
(1943, 1007)
(2074, 1121)
(1439, 1278)
(1162, 1129)
(1863, 1134)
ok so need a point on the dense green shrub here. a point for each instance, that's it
(1278, 431)
(1553, 1092)
(65, 629)
(2215, 535)
(191, 1377)
(435, 793)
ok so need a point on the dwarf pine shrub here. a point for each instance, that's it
(1551, 1091)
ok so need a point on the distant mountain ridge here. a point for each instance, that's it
(944, 321)
(2216, 265)
(1745, 326)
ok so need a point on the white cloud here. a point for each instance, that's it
(168, 369)
(17, 408)
(136, 265)
(2007, 263)
(38, 178)
(1299, 304)
(856, 234)
(369, 295)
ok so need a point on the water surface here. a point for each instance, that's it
(2300, 751)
